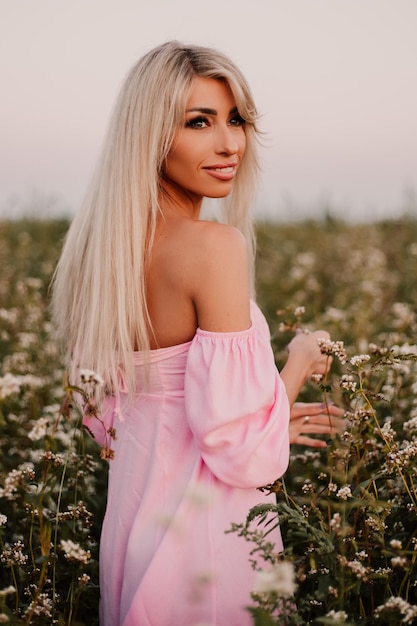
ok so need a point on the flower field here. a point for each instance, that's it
(348, 512)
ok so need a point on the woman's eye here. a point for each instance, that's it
(197, 122)
(237, 120)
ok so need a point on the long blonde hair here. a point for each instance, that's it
(98, 297)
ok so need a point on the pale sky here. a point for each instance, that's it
(335, 81)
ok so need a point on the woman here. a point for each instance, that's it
(160, 304)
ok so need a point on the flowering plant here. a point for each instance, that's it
(347, 514)
(51, 477)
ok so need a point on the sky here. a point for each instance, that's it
(335, 82)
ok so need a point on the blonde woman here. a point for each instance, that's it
(160, 303)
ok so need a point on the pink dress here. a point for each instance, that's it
(211, 427)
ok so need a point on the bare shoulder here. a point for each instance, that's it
(219, 276)
(211, 239)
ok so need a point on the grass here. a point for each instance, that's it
(348, 513)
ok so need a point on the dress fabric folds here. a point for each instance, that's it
(208, 425)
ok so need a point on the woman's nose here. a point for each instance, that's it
(226, 140)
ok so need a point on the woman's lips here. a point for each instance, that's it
(222, 172)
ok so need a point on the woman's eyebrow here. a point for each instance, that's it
(209, 111)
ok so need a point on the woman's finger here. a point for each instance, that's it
(302, 440)
(314, 408)
(321, 419)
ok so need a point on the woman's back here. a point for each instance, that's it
(196, 269)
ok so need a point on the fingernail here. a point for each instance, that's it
(324, 404)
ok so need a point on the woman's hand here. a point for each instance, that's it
(314, 418)
(304, 359)
(305, 349)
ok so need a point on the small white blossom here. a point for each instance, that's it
(348, 382)
(396, 604)
(411, 425)
(279, 579)
(359, 359)
(14, 478)
(9, 385)
(89, 376)
(374, 349)
(355, 566)
(383, 571)
(74, 552)
(39, 429)
(336, 348)
(336, 522)
(42, 605)
(344, 493)
(339, 617)
(362, 555)
(84, 579)
(14, 555)
(387, 430)
(396, 544)
(9, 315)
(7, 590)
(405, 350)
(316, 378)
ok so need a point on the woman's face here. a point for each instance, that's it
(207, 150)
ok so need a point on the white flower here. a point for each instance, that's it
(89, 376)
(348, 382)
(404, 350)
(338, 616)
(9, 385)
(279, 579)
(336, 522)
(14, 555)
(362, 555)
(409, 611)
(332, 347)
(39, 429)
(74, 552)
(355, 566)
(41, 605)
(411, 425)
(7, 590)
(344, 493)
(316, 378)
(3, 519)
(396, 544)
(359, 359)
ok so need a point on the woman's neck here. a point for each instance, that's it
(174, 200)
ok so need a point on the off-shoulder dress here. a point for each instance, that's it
(208, 427)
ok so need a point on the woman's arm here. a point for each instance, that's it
(219, 279)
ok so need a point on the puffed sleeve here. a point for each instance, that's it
(237, 406)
